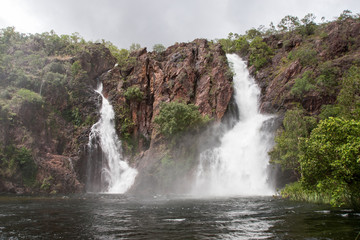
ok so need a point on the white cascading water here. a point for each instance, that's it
(239, 165)
(116, 173)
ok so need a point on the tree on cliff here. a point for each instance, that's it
(159, 48)
(176, 117)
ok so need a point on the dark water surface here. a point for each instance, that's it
(96, 216)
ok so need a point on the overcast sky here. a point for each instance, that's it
(158, 21)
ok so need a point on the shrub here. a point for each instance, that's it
(134, 93)
(305, 55)
(177, 117)
(286, 151)
(242, 45)
(309, 26)
(76, 68)
(15, 160)
(329, 111)
(327, 80)
(260, 53)
(29, 96)
(329, 160)
(134, 47)
(303, 84)
(296, 192)
(159, 48)
(349, 96)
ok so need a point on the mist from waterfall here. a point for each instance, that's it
(239, 165)
(105, 148)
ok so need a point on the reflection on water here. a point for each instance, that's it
(119, 217)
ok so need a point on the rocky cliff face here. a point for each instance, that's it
(196, 73)
(49, 130)
(46, 118)
(307, 73)
(330, 52)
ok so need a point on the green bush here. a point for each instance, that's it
(327, 80)
(159, 48)
(349, 96)
(242, 45)
(329, 111)
(260, 53)
(306, 56)
(303, 85)
(29, 96)
(15, 160)
(177, 117)
(296, 192)
(329, 160)
(134, 93)
(309, 26)
(286, 151)
(76, 68)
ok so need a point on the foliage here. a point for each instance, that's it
(309, 26)
(303, 84)
(327, 80)
(330, 160)
(134, 47)
(46, 183)
(253, 33)
(177, 117)
(15, 160)
(122, 56)
(286, 151)
(305, 54)
(159, 48)
(242, 45)
(124, 121)
(329, 111)
(260, 53)
(349, 96)
(296, 192)
(346, 14)
(288, 23)
(227, 44)
(76, 69)
(134, 93)
(29, 96)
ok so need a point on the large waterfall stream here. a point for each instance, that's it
(239, 165)
(116, 175)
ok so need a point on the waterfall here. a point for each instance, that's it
(116, 176)
(239, 165)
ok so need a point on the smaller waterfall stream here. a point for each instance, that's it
(116, 175)
(238, 166)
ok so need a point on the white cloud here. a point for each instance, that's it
(158, 21)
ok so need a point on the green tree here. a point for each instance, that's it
(159, 48)
(253, 33)
(346, 14)
(308, 25)
(303, 84)
(330, 160)
(134, 93)
(134, 47)
(260, 53)
(286, 151)
(349, 96)
(242, 45)
(177, 117)
(288, 23)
